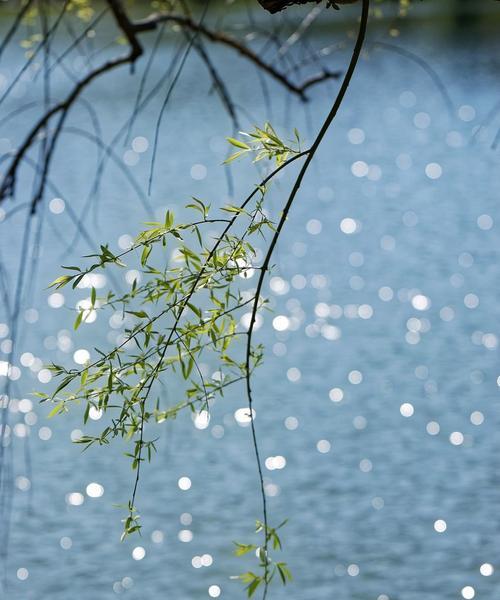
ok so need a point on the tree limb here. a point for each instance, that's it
(150, 23)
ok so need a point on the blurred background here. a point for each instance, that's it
(378, 404)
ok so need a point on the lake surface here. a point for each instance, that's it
(382, 396)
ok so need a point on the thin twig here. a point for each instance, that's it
(14, 27)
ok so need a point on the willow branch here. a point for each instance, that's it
(7, 185)
(284, 216)
(150, 23)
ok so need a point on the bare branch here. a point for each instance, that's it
(7, 186)
(151, 22)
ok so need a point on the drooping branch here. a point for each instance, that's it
(131, 31)
(7, 186)
(267, 259)
(218, 37)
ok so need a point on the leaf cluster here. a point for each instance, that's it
(264, 143)
(268, 568)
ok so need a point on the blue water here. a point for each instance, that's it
(361, 514)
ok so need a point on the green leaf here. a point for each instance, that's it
(242, 549)
(60, 407)
(78, 320)
(61, 281)
(77, 280)
(284, 573)
(234, 156)
(238, 143)
(86, 413)
(137, 313)
(169, 219)
(145, 254)
(252, 588)
(195, 309)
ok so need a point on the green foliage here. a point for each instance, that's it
(185, 306)
(265, 143)
(267, 566)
